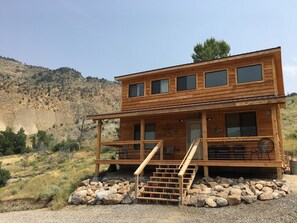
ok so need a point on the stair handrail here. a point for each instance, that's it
(187, 154)
(185, 163)
(144, 163)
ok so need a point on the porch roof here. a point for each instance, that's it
(272, 99)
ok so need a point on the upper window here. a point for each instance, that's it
(136, 90)
(241, 124)
(249, 73)
(160, 86)
(186, 82)
(216, 78)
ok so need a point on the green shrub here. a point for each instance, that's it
(66, 146)
(4, 176)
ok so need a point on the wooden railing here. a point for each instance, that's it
(140, 169)
(184, 166)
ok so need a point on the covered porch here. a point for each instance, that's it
(225, 140)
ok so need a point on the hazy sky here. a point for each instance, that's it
(115, 37)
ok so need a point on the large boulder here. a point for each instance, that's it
(249, 199)
(112, 199)
(127, 200)
(77, 197)
(221, 201)
(234, 199)
(100, 195)
(210, 202)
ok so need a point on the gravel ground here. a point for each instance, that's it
(282, 210)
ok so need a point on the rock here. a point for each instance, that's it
(94, 183)
(285, 188)
(218, 179)
(259, 186)
(111, 182)
(234, 199)
(271, 184)
(223, 194)
(263, 182)
(193, 200)
(123, 190)
(267, 190)
(212, 184)
(200, 201)
(78, 197)
(13, 180)
(225, 185)
(278, 183)
(210, 202)
(221, 201)
(242, 186)
(275, 195)
(206, 180)
(249, 198)
(127, 200)
(281, 193)
(235, 191)
(218, 188)
(266, 195)
(85, 182)
(112, 199)
(187, 200)
(240, 180)
(102, 194)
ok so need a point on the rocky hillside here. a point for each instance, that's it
(38, 98)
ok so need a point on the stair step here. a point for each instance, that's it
(162, 188)
(158, 199)
(168, 179)
(166, 183)
(159, 193)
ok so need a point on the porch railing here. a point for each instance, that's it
(140, 169)
(184, 166)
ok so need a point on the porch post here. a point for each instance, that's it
(142, 129)
(276, 139)
(280, 133)
(204, 141)
(98, 149)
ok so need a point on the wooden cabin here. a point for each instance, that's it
(223, 112)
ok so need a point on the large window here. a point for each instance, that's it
(136, 90)
(249, 73)
(186, 82)
(160, 86)
(216, 78)
(149, 134)
(241, 124)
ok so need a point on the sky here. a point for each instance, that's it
(116, 37)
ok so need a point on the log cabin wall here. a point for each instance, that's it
(172, 128)
(201, 94)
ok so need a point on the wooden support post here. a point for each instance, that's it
(136, 189)
(280, 133)
(204, 141)
(142, 129)
(276, 139)
(98, 149)
(161, 151)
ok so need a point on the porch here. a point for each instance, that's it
(175, 130)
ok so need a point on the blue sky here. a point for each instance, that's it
(110, 38)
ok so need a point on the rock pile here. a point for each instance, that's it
(109, 192)
(220, 192)
(207, 192)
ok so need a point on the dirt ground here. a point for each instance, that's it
(282, 210)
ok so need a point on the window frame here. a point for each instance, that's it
(160, 86)
(191, 89)
(249, 65)
(240, 123)
(146, 145)
(213, 71)
(144, 86)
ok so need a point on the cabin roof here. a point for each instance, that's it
(273, 51)
(192, 107)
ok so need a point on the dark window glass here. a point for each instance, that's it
(186, 82)
(241, 124)
(249, 74)
(149, 134)
(160, 86)
(217, 78)
(136, 90)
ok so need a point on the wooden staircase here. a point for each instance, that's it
(163, 186)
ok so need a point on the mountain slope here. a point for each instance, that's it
(38, 98)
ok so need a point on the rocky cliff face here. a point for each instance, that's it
(37, 98)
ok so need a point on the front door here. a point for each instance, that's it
(194, 130)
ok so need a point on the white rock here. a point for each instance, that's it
(221, 201)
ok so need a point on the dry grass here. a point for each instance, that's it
(48, 176)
